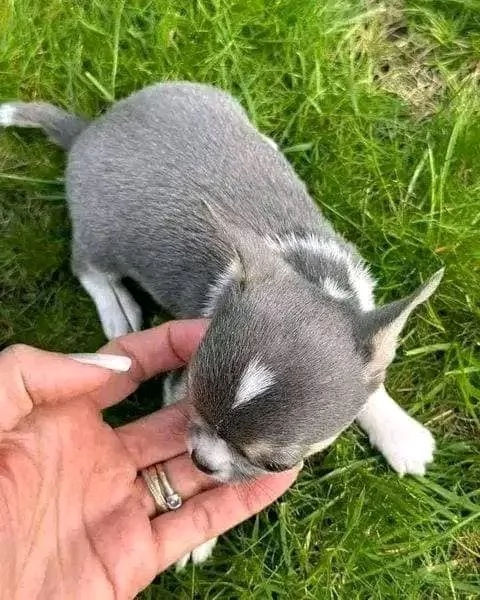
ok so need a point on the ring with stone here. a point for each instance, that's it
(163, 494)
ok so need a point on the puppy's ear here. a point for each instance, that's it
(251, 263)
(230, 237)
(381, 328)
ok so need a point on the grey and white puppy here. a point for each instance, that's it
(176, 189)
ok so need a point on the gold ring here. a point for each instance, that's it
(164, 496)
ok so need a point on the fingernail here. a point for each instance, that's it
(107, 361)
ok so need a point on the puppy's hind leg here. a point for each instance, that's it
(119, 313)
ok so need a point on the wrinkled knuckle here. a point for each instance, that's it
(17, 354)
(172, 342)
(17, 351)
(202, 518)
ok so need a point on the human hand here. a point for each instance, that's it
(76, 521)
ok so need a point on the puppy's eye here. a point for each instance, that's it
(276, 467)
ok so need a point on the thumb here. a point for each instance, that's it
(31, 377)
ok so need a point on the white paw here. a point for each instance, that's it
(129, 307)
(133, 316)
(114, 325)
(203, 552)
(407, 445)
(199, 555)
(109, 296)
(182, 563)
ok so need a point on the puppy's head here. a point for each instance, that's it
(276, 374)
(283, 370)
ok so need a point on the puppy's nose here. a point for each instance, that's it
(200, 465)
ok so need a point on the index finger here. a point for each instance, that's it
(151, 351)
(210, 513)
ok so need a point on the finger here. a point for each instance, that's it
(152, 351)
(184, 478)
(213, 512)
(30, 377)
(157, 437)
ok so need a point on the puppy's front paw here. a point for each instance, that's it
(407, 445)
(199, 555)
(115, 326)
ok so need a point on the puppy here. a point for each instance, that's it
(176, 189)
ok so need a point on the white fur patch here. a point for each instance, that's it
(334, 290)
(214, 452)
(7, 113)
(118, 311)
(360, 279)
(182, 562)
(407, 445)
(321, 445)
(255, 380)
(199, 555)
(218, 287)
(203, 552)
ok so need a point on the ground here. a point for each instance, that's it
(378, 107)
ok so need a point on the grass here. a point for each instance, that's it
(378, 107)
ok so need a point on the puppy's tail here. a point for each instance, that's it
(60, 126)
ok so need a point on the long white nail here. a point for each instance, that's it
(107, 361)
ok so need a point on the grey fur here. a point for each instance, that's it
(139, 181)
